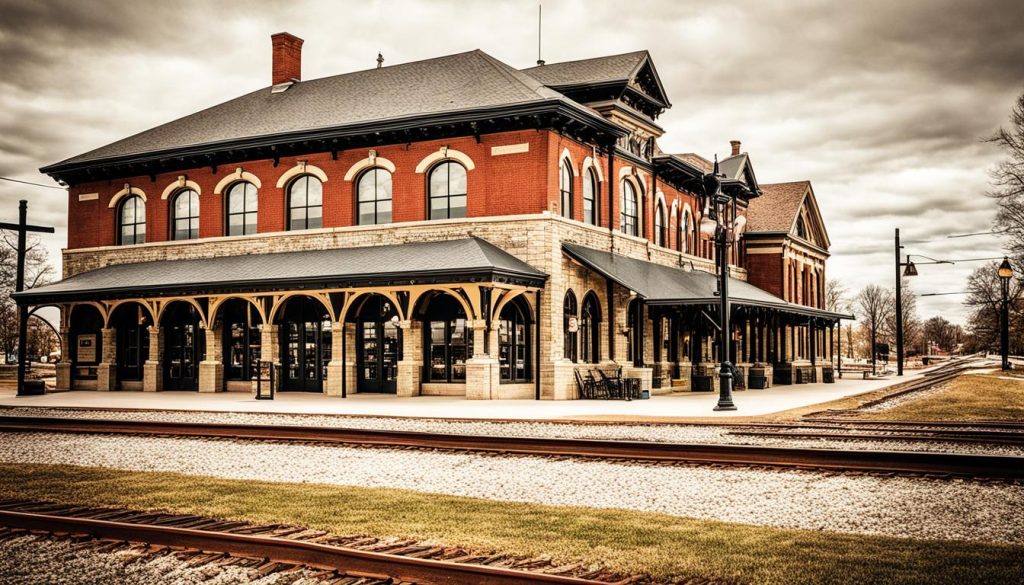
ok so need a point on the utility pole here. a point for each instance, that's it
(899, 309)
(22, 228)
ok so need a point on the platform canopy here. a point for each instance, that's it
(463, 260)
(661, 285)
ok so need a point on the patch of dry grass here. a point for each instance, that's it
(666, 547)
(990, 396)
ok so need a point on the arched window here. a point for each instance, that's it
(801, 227)
(449, 340)
(242, 204)
(447, 191)
(132, 221)
(590, 319)
(686, 227)
(565, 187)
(570, 325)
(373, 191)
(628, 219)
(185, 215)
(660, 233)
(590, 191)
(305, 203)
(514, 344)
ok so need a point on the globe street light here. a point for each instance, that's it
(1005, 273)
(714, 225)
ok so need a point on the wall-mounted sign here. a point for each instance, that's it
(86, 348)
(574, 324)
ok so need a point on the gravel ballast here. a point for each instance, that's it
(618, 431)
(896, 506)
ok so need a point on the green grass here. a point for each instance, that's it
(966, 398)
(632, 542)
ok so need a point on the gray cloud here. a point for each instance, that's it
(881, 104)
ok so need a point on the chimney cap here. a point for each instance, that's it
(735, 146)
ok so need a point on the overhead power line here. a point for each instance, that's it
(31, 183)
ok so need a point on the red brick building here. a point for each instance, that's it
(448, 226)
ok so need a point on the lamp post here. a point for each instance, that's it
(909, 269)
(713, 224)
(1005, 273)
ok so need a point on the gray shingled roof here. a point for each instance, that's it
(596, 70)
(665, 285)
(454, 258)
(454, 83)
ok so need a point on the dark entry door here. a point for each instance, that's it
(306, 339)
(377, 346)
(183, 348)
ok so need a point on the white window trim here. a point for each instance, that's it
(445, 153)
(301, 168)
(590, 163)
(128, 190)
(238, 175)
(369, 162)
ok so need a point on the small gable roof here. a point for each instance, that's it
(779, 206)
(624, 68)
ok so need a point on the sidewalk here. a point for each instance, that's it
(749, 403)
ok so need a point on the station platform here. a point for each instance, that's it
(688, 405)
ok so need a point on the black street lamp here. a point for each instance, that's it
(909, 269)
(1005, 274)
(715, 225)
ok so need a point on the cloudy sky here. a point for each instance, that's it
(883, 105)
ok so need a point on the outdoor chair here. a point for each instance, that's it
(613, 386)
(586, 386)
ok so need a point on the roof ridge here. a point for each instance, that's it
(516, 75)
(588, 59)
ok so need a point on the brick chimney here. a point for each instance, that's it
(735, 146)
(287, 61)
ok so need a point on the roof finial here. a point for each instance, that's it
(380, 60)
(540, 17)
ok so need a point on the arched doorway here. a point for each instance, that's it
(131, 322)
(377, 345)
(183, 346)
(305, 344)
(242, 341)
(515, 355)
(85, 346)
(590, 326)
(448, 340)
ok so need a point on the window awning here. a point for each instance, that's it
(660, 285)
(464, 260)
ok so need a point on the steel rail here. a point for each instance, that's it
(380, 565)
(912, 462)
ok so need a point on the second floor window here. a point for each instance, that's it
(242, 204)
(628, 215)
(305, 203)
(373, 192)
(565, 188)
(185, 215)
(132, 221)
(447, 186)
(590, 197)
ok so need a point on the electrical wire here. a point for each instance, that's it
(31, 183)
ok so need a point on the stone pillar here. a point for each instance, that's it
(211, 368)
(63, 367)
(106, 370)
(410, 365)
(152, 370)
(481, 367)
(335, 367)
(351, 373)
(270, 349)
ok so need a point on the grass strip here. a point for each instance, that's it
(667, 547)
(970, 397)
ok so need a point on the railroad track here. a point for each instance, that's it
(898, 462)
(352, 560)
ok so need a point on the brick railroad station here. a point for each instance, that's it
(453, 226)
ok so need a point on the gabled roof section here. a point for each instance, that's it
(468, 259)
(779, 207)
(739, 168)
(454, 87)
(698, 161)
(633, 74)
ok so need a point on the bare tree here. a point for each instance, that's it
(984, 298)
(38, 271)
(1008, 179)
(942, 334)
(875, 308)
(911, 323)
(836, 296)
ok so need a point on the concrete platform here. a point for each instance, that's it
(749, 403)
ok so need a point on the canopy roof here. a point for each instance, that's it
(665, 285)
(471, 259)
